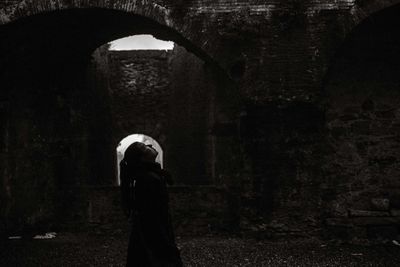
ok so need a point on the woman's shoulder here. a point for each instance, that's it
(152, 174)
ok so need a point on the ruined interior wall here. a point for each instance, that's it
(189, 118)
(102, 149)
(283, 147)
(277, 52)
(48, 134)
(166, 95)
(362, 189)
(51, 139)
(139, 90)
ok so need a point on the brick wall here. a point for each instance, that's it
(140, 91)
(361, 185)
(165, 95)
(303, 149)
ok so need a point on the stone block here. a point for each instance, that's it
(338, 210)
(383, 232)
(358, 232)
(367, 213)
(375, 221)
(360, 127)
(380, 204)
(395, 201)
(342, 222)
(341, 232)
(395, 212)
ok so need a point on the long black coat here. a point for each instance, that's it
(152, 241)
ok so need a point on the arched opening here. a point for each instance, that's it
(63, 121)
(362, 95)
(150, 92)
(127, 141)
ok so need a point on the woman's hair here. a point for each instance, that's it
(150, 154)
(139, 152)
(134, 152)
(130, 162)
(135, 155)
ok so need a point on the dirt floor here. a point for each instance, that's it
(91, 249)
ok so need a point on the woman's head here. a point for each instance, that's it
(138, 152)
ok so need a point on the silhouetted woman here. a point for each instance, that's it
(145, 200)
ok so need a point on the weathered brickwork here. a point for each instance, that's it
(298, 128)
(269, 29)
(148, 92)
(195, 210)
(140, 91)
(363, 134)
(165, 95)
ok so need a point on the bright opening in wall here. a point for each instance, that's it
(127, 141)
(141, 42)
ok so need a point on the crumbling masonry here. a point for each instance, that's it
(286, 112)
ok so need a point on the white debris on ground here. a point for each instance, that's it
(14, 237)
(395, 242)
(356, 254)
(46, 236)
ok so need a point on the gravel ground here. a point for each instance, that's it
(85, 249)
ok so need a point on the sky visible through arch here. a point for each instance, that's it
(141, 42)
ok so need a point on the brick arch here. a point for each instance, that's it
(144, 8)
(358, 15)
(363, 10)
(188, 34)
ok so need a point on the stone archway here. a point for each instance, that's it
(362, 11)
(55, 121)
(163, 13)
(22, 9)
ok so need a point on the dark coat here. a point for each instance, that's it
(152, 241)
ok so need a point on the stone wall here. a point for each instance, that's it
(195, 210)
(165, 95)
(168, 96)
(297, 147)
(140, 91)
(190, 146)
(361, 186)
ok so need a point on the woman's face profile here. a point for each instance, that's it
(149, 155)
